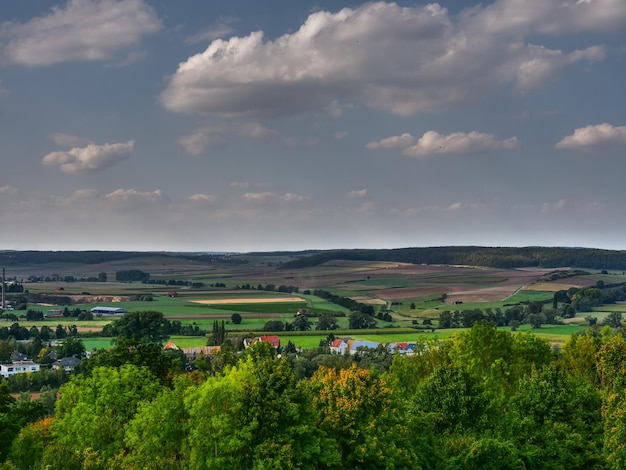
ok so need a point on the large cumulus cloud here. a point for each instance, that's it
(379, 55)
(81, 30)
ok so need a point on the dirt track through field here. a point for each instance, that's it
(256, 300)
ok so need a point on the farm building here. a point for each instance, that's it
(194, 352)
(273, 340)
(54, 313)
(99, 311)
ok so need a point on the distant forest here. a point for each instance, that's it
(477, 256)
(15, 258)
(450, 255)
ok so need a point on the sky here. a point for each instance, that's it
(281, 125)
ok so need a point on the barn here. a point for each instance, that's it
(100, 311)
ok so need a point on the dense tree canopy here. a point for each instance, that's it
(484, 398)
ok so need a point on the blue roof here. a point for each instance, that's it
(364, 344)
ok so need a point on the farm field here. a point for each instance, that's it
(229, 287)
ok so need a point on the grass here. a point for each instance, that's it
(97, 343)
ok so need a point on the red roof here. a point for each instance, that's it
(274, 340)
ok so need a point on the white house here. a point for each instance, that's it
(18, 367)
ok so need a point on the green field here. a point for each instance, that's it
(364, 279)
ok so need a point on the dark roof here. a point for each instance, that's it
(67, 362)
(18, 356)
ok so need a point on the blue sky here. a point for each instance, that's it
(280, 125)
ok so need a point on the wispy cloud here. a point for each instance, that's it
(434, 143)
(360, 193)
(67, 140)
(223, 27)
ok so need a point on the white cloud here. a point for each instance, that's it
(273, 197)
(368, 207)
(197, 143)
(137, 197)
(379, 55)
(434, 143)
(85, 194)
(239, 184)
(453, 207)
(340, 135)
(256, 131)
(90, 158)
(357, 194)
(542, 64)
(594, 138)
(553, 206)
(67, 140)
(81, 30)
(221, 28)
(202, 198)
(550, 17)
(394, 142)
(8, 189)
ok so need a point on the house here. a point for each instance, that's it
(100, 311)
(339, 346)
(17, 356)
(273, 340)
(171, 345)
(19, 367)
(303, 311)
(67, 363)
(402, 348)
(201, 351)
(195, 351)
(172, 294)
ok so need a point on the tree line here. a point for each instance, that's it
(502, 257)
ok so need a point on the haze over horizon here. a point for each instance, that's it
(262, 126)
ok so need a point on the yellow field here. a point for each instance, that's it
(255, 300)
(369, 301)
